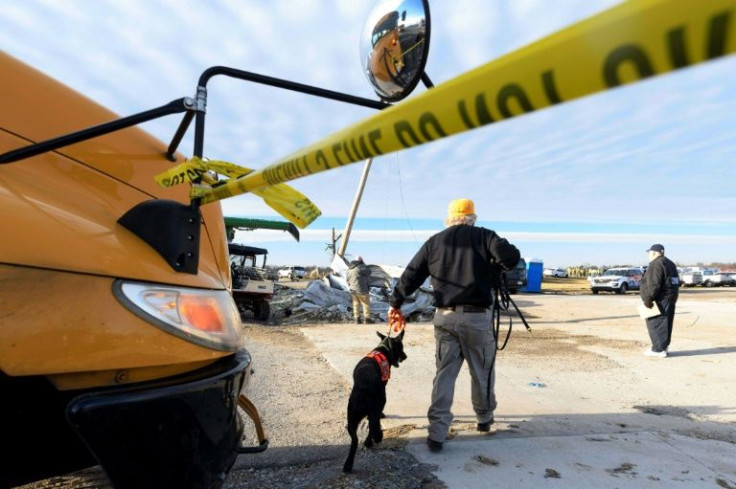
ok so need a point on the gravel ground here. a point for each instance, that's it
(305, 423)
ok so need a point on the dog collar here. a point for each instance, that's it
(383, 364)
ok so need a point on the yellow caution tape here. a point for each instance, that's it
(285, 200)
(627, 43)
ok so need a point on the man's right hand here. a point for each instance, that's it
(396, 321)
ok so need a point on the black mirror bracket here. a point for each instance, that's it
(191, 105)
(425, 79)
(173, 107)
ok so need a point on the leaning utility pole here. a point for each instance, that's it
(354, 209)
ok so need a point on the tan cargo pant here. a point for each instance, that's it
(462, 336)
(365, 301)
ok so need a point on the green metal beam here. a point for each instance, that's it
(247, 224)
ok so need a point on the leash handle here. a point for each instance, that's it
(396, 321)
(501, 302)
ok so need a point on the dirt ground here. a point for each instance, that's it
(585, 354)
(581, 371)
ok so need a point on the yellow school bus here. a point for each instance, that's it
(120, 343)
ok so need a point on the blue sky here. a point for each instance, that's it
(593, 181)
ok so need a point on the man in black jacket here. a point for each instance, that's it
(462, 261)
(660, 287)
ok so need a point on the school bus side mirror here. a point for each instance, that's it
(394, 47)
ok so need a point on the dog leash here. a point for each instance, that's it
(502, 301)
(396, 322)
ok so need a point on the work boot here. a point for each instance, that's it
(368, 321)
(434, 446)
(357, 320)
(484, 427)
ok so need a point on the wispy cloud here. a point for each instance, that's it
(660, 151)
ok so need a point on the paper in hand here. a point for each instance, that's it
(647, 313)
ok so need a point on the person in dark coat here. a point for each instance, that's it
(358, 273)
(462, 262)
(659, 288)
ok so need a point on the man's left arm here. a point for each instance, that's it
(503, 252)
(650, 287)
(415, 273)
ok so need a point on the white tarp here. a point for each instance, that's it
(321, 294)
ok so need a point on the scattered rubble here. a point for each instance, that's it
(327, 300)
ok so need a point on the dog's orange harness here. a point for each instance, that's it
(383, 364)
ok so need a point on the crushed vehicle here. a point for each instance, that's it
(252, 290)
(617, 280)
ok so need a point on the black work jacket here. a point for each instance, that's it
(461, 261)
(660, 281)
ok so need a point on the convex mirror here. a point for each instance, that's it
(394, 46)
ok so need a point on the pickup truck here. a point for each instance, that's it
(717, 279)
(292, 273)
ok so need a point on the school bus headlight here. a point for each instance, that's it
(208, 318)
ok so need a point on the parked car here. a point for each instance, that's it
(618, 280)
(718, 279)
(732, 278)
(292, 273)
(516, 277)
(691, 278)
(554, 272)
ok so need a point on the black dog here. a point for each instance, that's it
(368, 396)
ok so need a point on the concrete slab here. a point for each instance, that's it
(631, 460)
(577, 398)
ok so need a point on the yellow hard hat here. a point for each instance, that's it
(460, 207)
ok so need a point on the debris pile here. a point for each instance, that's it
(328, 300)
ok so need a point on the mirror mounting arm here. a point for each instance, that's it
(427, 82)
(173, 107)
(288, 85)
(256, 78)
